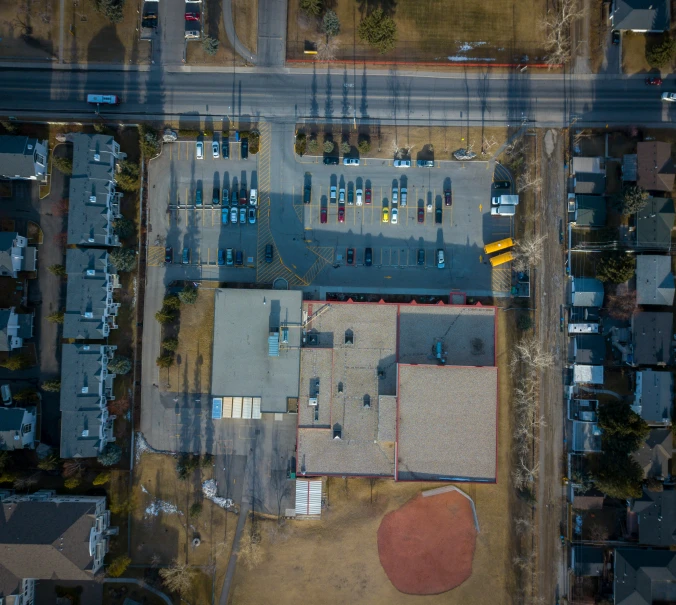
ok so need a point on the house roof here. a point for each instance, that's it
(643, 577)
(655, 453)
(590, 183)
(656, 169)
(654, 223)
(590, 211)
(654, 280)
(641, 15)
(652, 337)
(5, 338)
(590, 349)
(629, 167)
(656, 517)
(583, 374)
(587, 560)
(17, 156)
(587, 292)
(586, 437)
(11, 421)
(594, 165)
(654, 393)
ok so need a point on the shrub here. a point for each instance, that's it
(72, 482)
(329, 146)
(27, 395)
(188, 295)
(17, 362)
(64, 165)
(364, 146)
(313, 146)
(378, 30)
(616, 268)
(101, 478)
(524, 322)
(148, 141)
(111, 455)
(631, 199)
(165, 316)
(661, 54)
(186, 464)
(56, 317)
(119, 406)
(58, 270)
(165, 361)
(210, 45)
(345, 147)
(124, 259)
(48, 463)
(128, 176)
(52, 386)
(254, 142)
(119, 365)
(118, 566)
(301, 143)
(172, 302)
(170, 344)
(112, 9)
(331, 23)
(311, 7)
(196, 509)
(124, 228)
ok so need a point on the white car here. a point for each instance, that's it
(199, 150)
(395, 195)
(394, 216)
(215, 149)
(669, 96)
(359, 200)
(429, 207)
(341, 196)
(402, 163)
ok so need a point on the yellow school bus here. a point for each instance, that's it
(501, 258)
(503, 244)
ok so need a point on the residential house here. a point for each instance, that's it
(653, 397)
(589, 349)
(17, 428)
(654, 280)
(641, 15)
(23, 158)
(656, 169)
(656, 517)
(586, 436)
(589, 175)
(86, 388)
(651, 335)
(583, 374)
(654, 223)
(90, 309)
(587, 561)
(590, 211)
(591, 165)
(47, 539)
(586, 292)
(16, 255)
(630, 167)
(644, 577)
(655, 454)
(585, 410)
(94, 202)
(14, 329)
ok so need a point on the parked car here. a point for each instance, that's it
(395, 195)
(349, 256)
(395, 216)
(245, 149)
(670, 97)
(350, 197)
(429, 207)
(225, 215)
(225, 148)
(368, 196)
(386, 215)
(242, 196)
(331, 161)
(402, 163)
(421, 256)
(368, 257)
(359, 197)
(186, 256)
(198, 197)
(615, 37)
(332, 196)
(441, 259)
(341, 214)
(307, 195)
(221, 256)
(239, 258)
(341, 195)
(242, 215)
(253, 197)
(199, 150)
(233, 197)
(438, 216)
(229, 257)
(323, 215)
(425, 163)
(216, 197)
(421, 215)
(653, 81)
(501, 184)
(226, 197)
(269, 251)
(233, 215)
(215, 150)
(252, 215)
(193, 16)
(404, 196)
(448, 197)
(168, 254)
(350, 161)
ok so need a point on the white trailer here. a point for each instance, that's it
(247, 406)
(227, 407)
(256, 411)
(236, 407)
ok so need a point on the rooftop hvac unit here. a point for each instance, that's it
(91, 272)
(97, 157)
(92, 199)
(313, 401)
(85, 390)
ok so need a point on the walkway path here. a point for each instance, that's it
(230, 32)
(272, 33)
(141, 584)
(232, 563)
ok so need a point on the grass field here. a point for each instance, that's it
(245, 14)
(29, 30)
(169, 536)
(436, 30)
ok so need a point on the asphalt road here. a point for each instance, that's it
(407, 98)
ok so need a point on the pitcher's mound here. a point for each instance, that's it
(427, 546)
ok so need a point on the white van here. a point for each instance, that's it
(505, 200)
(503, 210)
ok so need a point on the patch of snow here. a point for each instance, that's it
(460, 58)
(141, 446)
(210, 491)
(160, 506)
(144, 490)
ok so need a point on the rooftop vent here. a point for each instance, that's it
(29, 147)
(85, 347)
(349, 337)
(91, 272)
(91, 240)
(312, 338)
(85, 433)
(85, 390)
(337, 431)
(367, 401)
(92, 199)
(97, 157)
(88, 314)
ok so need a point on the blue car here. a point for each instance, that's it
(225, 215)
(221, 257)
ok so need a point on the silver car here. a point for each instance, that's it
(242, 215)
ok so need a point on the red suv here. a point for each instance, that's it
(341, 215)
(368, 196)
(421, 215)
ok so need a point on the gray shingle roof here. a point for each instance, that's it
(654, 393)
(655, 166)
(590, 349)
(24, 327)
(641, 15)
(587, 292)
(25, 258)
(654, 223)
(17, 156)
(652, 337)
(643, 577)
(656, 453)
(11, 420)
(656, 517)
(654, 280)
(591, 211)
(590, 183)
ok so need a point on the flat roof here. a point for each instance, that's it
(447, 423)
(242, 365)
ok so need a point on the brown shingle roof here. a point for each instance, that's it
(655, 167)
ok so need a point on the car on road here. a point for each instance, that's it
(341, 195)
(168, 254)
(193, 16)
(395, 216)
(341, 214)
(395, 195)
(307, 195)
(229, 258)
(323, 215)
(215, 150)
(350, 197)
(421, 256)
(252, 215)
(199, 150)
(441, 259)
(225, 215)
(350, 161)
(239, 258)
(615, 37)
(331, 161)
(425, 163)
(186, 256)
(233, 197)
(448, 197)
(402, 163)
(438, 216)
(269, 252)
(226, 197)
(404, 196)
(242, 196)
(333, 194)
(225, 148)
(198, 197)
(242, 215)
(669, 97)
(233, 215)
(421, 215)
(245, 149)
(653, 81)
(368, 257)
(216, 197)
(359, 197)
(221, 256)
(501, 184)
(368, 195)
(386, 215)
(349, 256)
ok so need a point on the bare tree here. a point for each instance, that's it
(528, 252)
(327, 49)
(556, 25)
(523, 525)
(487, 144)
(524, 562)
(529, 179)
(530, 352)
(72, 468)
(178, 577)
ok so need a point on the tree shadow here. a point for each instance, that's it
(366, 7)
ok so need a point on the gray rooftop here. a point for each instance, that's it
(11, 264)
(586, 437)
(11, 420)
(447, 423)
(87, 299)
(590, 349)
(654, 223)
(590, 211)
(590, 183)
(656, 517)
(92, 190)
(17, 156)
(644, 577)
(654, 280)
(247, 318)
(587, 292)
(587, 561)
(24, 327)
(655, 393)
(655, 453)
(641, 15)
(652, 338)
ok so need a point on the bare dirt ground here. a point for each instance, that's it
(169, 536)
(214, 27)
(29, 29)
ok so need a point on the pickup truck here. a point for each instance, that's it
(333, 194)
(253, 197)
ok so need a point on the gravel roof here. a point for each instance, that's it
(387, 418)
(447, 423)
(467, 333)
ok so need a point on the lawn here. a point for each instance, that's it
(29, 29)
(245, 14)
(436, 30)
(633, 53)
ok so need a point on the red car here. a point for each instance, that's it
(323, 215)
(192, 16)
(448, 197)
(368, 196)
(421, 215)
(653, 81)
(341, 215)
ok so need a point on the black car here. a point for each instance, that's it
(245, 149)
(368, 257)
(239, 258)
(225, 147)
(501, 185)
(350, 256)
(216, 197)
(269, 251)
(421, 256)
(615, 37)
(437, 216)
(168, 255)
(307, 195)
(331, 161)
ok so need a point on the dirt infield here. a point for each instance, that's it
(427, 546)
